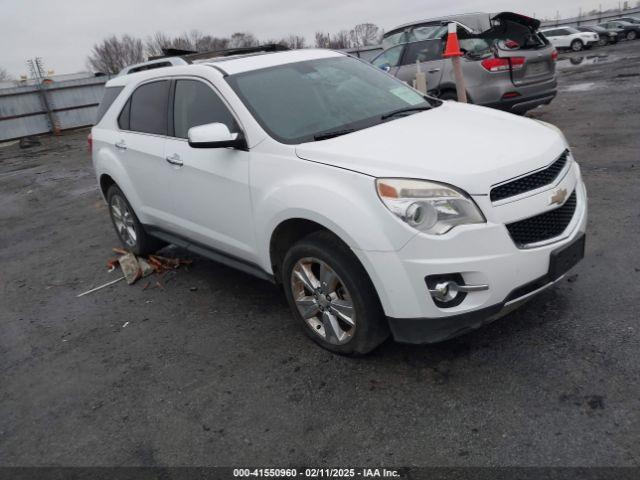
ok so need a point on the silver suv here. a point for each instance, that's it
(507, 64)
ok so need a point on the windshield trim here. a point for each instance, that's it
(355, 126)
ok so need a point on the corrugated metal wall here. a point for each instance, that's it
(73, 104)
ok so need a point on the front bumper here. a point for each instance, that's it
(482, 254)
(424, 330)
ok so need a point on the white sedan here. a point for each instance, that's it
(569, 37)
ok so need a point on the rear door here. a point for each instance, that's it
(429, 54)
(140, 143)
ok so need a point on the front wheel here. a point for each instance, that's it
(577, 45)
(332, 296)
(632, 35)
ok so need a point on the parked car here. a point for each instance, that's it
(605, 37)
(634, 20)
(626, 30)
(571, 38)
(365, 53)
(507, 66)
(376, 208)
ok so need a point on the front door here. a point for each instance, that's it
(209, 187)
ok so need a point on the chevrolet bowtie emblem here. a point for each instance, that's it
(558, 197)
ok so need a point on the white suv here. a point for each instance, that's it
(572, 38)
(378, 209)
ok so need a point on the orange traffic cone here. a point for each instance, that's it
(452, 51)
(453, 47)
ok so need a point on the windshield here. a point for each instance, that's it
(298, 102)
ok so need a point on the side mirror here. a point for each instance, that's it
(215, 135)
(385, 66)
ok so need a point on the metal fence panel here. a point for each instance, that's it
(74, 103)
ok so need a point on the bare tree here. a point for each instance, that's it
(193, 40)
(340, 40)
(322, 40)
(113, 54)
(4, 75)
(293, 41)
(242, 39)
(365, 34)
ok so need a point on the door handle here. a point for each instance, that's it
(121, 145)
(433, 70)
(174, 160)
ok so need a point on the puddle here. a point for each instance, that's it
(580, 87)
(575, 61)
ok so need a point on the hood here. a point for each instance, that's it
(467, 146)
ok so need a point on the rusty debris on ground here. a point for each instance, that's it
(135, 268)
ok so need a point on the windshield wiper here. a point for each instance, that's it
(404, 110)
(335, 133)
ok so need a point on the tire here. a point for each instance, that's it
(603, 41)
(577, 46)
(319, 258)
(127, 226)
(632, 35)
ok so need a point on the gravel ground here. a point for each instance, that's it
(213, 371)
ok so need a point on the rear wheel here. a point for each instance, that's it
(577, 45)
(332, 296)
(632, 35)
(128, 227)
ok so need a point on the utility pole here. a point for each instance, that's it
(37, 72)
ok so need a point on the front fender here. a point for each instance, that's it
(342, 201)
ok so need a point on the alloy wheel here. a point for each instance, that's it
(123, 220)
(323, 300)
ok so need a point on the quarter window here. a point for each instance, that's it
(110, 94)
(148, 109)
(196, 104)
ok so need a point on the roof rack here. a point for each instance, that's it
(176, 56)
(269, 47)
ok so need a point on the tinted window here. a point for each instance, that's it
(123, 119)
(149, 108)
(110, 94)
(423, 51)
(197, 104)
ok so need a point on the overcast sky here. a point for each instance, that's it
(62, 32)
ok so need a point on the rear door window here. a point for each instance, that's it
(110, 94)
(148, 110)
(424, 51)
(195, 103)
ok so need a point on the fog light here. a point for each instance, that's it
(450, 290)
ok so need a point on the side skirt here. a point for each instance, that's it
(210, 253)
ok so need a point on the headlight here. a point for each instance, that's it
(430, 207)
